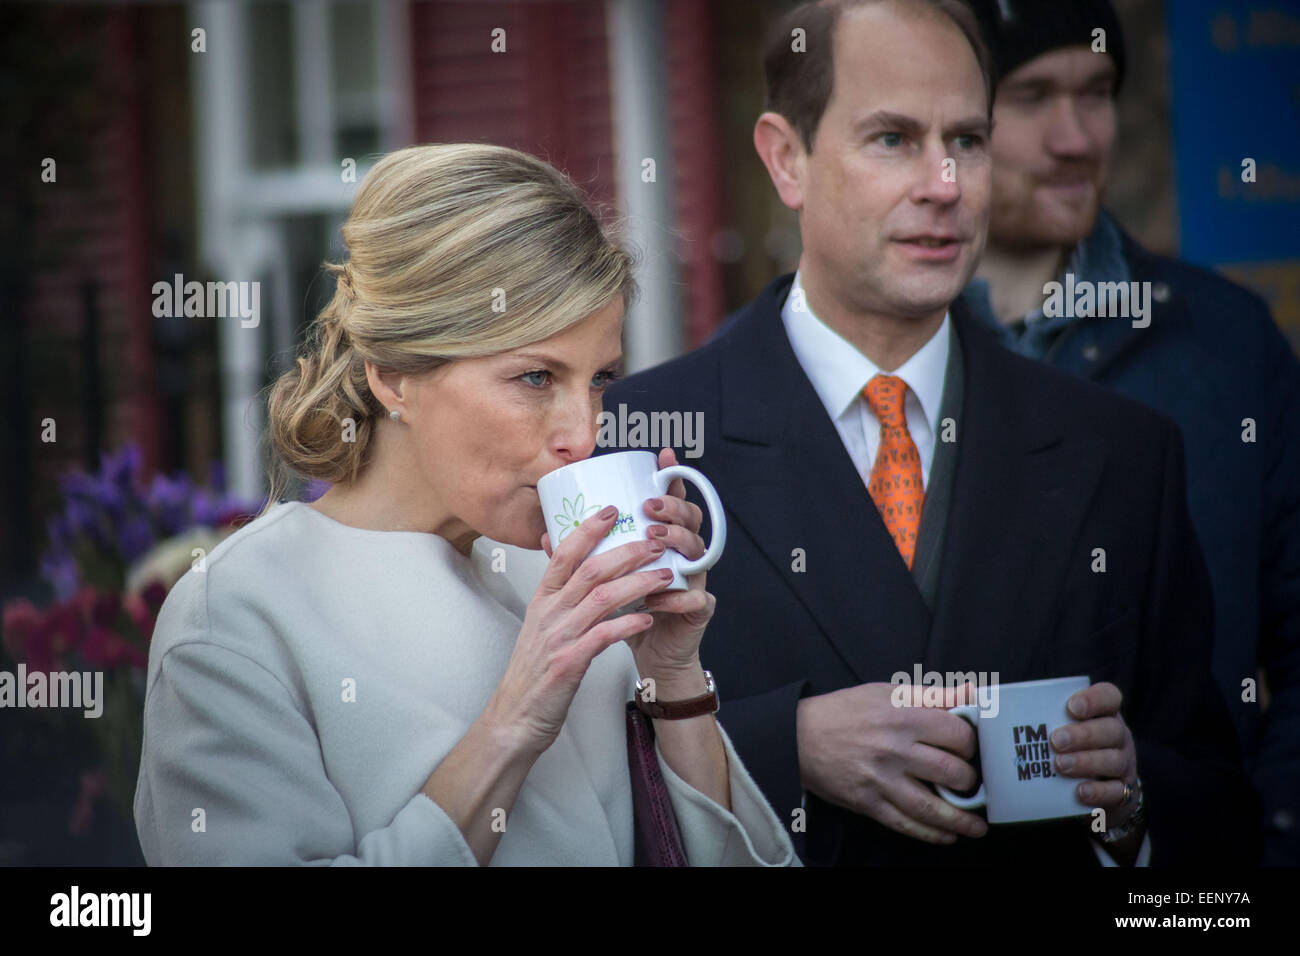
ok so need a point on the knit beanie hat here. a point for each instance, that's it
(1019, 30)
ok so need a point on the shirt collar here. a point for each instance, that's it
(838, 371)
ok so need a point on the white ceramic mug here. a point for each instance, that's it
(1020, 780)
(626, 479)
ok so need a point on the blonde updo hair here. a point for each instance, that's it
(436, 236)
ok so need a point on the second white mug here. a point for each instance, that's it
(1020, 779)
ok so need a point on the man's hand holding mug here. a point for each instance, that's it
(858, 748)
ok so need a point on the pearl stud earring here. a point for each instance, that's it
(395, 415)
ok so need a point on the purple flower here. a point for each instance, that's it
(204, 510)
(111, 519)
(60, 571)
(170, 501)
(134, 537)
(92, 493)
(80, 517)
(78, 484)
(61, 534)
(114, 501)
(217, 477)
(122, 470)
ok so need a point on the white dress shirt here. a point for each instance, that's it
(838, 373)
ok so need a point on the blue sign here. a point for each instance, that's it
(1235, 71)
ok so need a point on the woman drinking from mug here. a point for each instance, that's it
(348, 681)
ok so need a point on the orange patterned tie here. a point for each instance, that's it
(896, 486)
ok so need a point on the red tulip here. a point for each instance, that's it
(21, 619)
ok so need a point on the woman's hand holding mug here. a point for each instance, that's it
(671, 647)
(650, 494)
(565, 627)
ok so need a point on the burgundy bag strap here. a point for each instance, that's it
(654, 826)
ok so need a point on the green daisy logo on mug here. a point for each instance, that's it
(573, 515)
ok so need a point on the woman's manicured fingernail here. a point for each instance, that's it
(1065, 761)
(666, 573)
(607, 512)
(656, 504)
(657, 531)
(657, 547)
(1061, 739)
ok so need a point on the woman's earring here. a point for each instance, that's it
(395, 415)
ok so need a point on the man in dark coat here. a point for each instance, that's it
(904, 495)
(1202, 350)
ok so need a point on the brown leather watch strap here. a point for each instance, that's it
(678, 709)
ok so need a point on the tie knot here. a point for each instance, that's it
(884, 393)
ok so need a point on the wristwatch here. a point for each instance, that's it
(706, 703)
(1135, 820)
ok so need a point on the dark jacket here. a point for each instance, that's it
(1211, 358)
(1048, 468)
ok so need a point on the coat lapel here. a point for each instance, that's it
(1021, 489)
